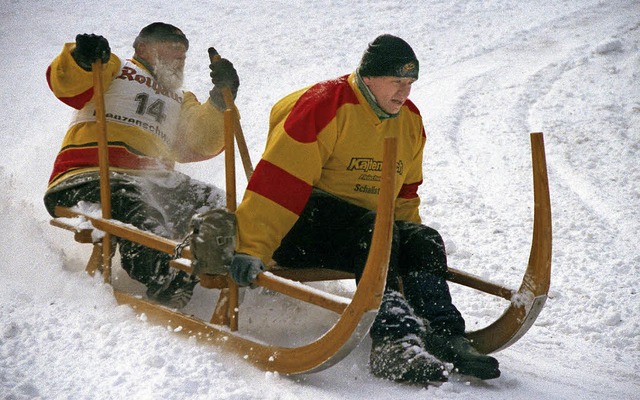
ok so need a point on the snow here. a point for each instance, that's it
(491, 72)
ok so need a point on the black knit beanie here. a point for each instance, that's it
(161, 32)
(389, 55)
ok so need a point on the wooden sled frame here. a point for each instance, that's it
(356, 314)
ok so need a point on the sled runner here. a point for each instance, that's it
(356, 314)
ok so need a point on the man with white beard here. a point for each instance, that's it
(152, 124)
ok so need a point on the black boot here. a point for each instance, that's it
(459, 351)
(175, 291)
(397, 351)
(405, 360)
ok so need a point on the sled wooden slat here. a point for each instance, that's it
(127, 232)
(312, 274)
(80, 235)
(330, 302)
(474, 282)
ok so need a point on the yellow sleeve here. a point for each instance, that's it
(72, 84)
(201, 130)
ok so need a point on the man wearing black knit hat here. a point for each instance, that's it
(152, 124)
(311, 202)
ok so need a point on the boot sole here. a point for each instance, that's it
(480, 370)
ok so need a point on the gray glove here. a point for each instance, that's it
(244, 268)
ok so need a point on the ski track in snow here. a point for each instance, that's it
(491, 73)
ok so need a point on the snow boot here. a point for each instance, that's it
(175, 291)
(459, 351)
(405, 360)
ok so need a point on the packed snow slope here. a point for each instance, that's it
(491, 73)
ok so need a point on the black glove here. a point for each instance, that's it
(89, 48)
(223, 75)
(244, 268)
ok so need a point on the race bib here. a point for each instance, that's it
(135, 98)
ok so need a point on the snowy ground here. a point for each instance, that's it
(491, 72)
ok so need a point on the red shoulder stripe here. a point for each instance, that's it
(317, 107)
(414, 109)
(280, 186)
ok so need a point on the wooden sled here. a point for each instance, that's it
(356, 314)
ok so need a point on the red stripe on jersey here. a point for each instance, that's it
(412, 107)
(78, 101)
(409, 191)
(317, 107)
(83, 157)
(280, 186)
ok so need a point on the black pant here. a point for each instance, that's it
(163, 206)
(333, 233)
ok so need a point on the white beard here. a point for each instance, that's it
(169, 74)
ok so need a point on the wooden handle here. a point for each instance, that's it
(103, 162)
(227, 309)
(237, 128)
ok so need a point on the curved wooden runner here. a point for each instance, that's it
(529, 300)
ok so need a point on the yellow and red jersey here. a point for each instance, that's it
(149, 127)
(327, 136)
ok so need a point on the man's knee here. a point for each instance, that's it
(421, 248)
